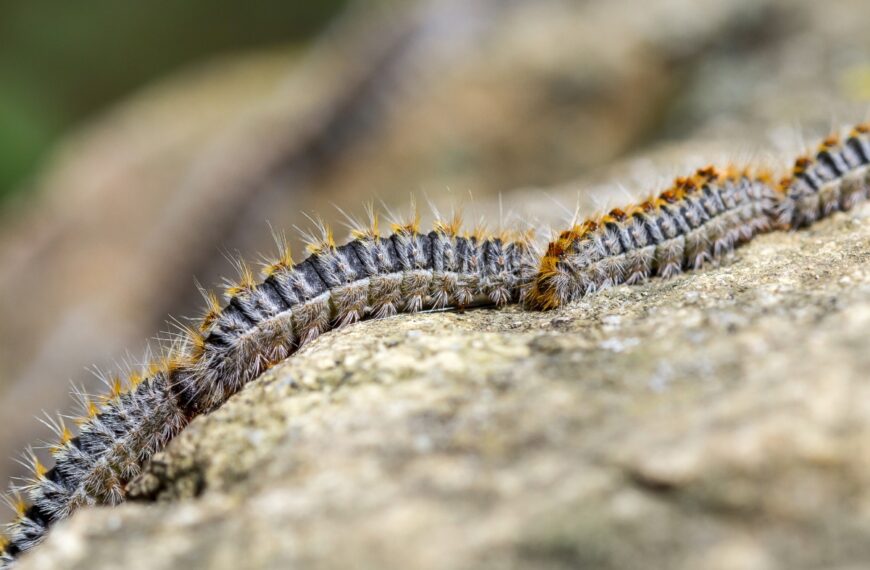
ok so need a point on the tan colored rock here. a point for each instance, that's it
(718, 420)
(475, 98)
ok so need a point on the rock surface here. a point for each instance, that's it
(718, 420)
(495, 96)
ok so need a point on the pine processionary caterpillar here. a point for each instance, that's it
(835, 179)
(262, 323)
(372, 276)
(697, 221)
(115, 436)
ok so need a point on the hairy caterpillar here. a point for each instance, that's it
(700, 220)
(836, 178)
(336, 286)
(262, 323)
(697, 221)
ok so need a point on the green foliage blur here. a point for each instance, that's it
(61, 61)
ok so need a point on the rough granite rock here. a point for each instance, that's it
(718, 420)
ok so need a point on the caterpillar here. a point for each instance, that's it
(701, 219)
(698, 221)
(263, 322)
(835, 179)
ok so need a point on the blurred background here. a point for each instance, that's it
(141, 143)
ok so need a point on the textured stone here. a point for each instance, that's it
(717, 420)
(488, 97)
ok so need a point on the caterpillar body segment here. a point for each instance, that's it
(696, 222)
(116, 437)
(836, 178)
(370, 277)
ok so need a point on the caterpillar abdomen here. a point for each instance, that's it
(696, 222)
(835, 179)
(114, 441)
(370, 277)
